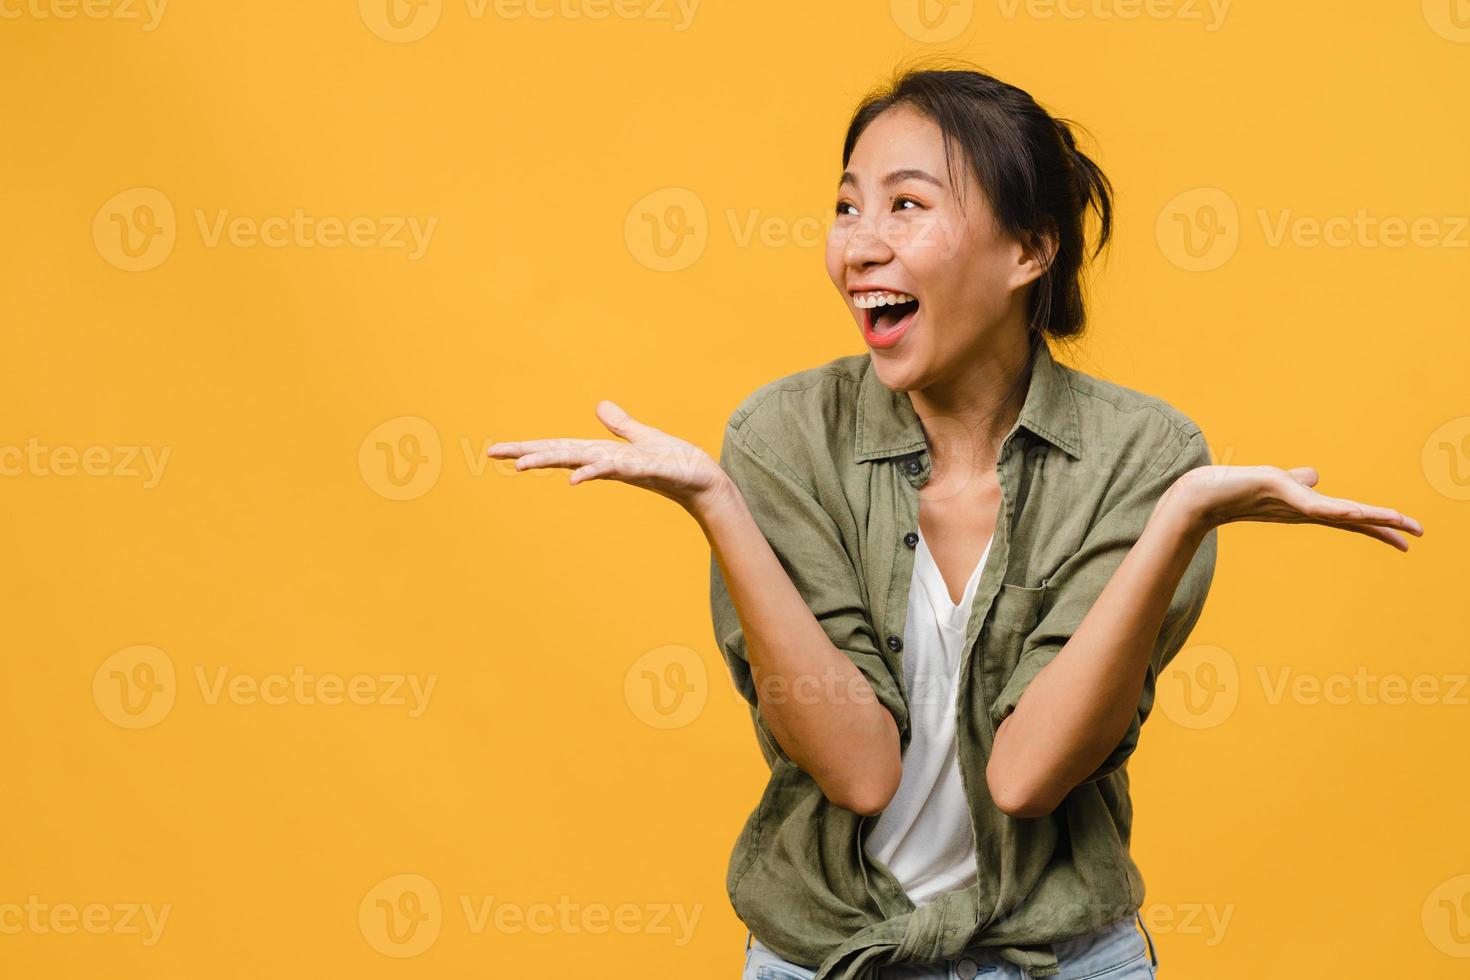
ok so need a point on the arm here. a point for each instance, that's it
(1124, 605)
(1076, 710)
(787, 603)
(829, 709)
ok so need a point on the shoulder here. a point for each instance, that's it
(794, 398)
(1124, 422)
(803, 421)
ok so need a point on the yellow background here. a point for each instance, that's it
(1279, 836)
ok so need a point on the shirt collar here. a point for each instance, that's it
(887, 424)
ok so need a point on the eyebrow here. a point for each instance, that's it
(895, 177)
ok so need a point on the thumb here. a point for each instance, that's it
(618, 421)
(1304, 474)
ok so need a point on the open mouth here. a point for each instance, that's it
(886, 319)
(885, 315)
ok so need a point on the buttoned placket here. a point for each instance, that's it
(916, 470)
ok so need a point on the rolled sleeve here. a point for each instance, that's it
(809, 545)
(1075, 586)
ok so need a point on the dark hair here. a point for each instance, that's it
(1038, 183)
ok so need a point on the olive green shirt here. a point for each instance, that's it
(830, 463)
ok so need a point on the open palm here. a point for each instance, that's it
(651, 458)
(1223, 494)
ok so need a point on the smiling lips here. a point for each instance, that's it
(887, 314)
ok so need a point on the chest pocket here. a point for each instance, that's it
(1014, 613)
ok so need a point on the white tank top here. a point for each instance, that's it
(924, 835)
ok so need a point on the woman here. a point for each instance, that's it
(946, 573)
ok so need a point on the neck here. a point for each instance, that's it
(967, 415)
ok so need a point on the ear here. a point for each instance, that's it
(1032, 263)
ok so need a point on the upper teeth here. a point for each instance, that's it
(866, 301)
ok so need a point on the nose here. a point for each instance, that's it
(865, 245)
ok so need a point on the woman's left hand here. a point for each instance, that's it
(1222, 494)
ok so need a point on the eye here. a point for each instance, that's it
(911, 200)
(845, 204)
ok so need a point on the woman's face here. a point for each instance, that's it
(900, 228)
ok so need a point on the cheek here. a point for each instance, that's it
(932, 249)
(978, 268)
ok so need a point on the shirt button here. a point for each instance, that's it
(911, 539)
(966, 969)
(894, 643)
(914, 466)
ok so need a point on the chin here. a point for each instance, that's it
(898, 372)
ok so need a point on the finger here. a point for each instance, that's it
(624, 459)
(1342, 510)
(1387, 517)
(566, 457)
(1304, 475)
(503, 449)
(592, 471)
(620, 422)
(506, 449)
(1381, 533)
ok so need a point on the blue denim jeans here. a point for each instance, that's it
(1115, 952)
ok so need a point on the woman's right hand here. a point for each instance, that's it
(651, 458)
